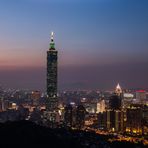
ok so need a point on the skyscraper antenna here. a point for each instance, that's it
(52, 34)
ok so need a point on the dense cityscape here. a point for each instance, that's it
(119, 113)
(74, 73)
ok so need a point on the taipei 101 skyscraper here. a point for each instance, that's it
(52, 66)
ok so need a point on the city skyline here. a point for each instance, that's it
(100, 43)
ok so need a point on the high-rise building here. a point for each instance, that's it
(101, 106)
(102, 120)
(127, 99)
(145, 119)
(141, 96)
(115, 115)
(115, 120)
(52, 63)
(74, 116)
(80, 116)
(134, 119)
(115, 102)
(52, 99)
(35, 96)
(68, 116)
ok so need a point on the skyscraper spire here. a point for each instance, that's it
(52, 44)
(52, 36)
(118, 86)
(118, 89)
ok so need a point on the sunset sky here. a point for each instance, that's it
(100, 43)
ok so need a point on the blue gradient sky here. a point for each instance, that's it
(100, 42)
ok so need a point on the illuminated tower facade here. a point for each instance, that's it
(52, 65)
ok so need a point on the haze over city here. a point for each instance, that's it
(100, 43)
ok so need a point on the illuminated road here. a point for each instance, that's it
(118, 137)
